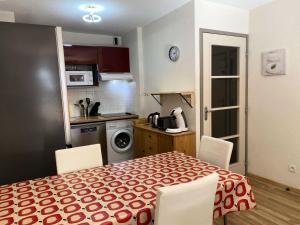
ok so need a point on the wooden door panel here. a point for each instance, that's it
(81, 55)
(151, 148)
(166, 143)
(186, 144)
(139, 144)
(151, 137)
(113, 60)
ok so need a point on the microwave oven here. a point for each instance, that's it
(79, 78)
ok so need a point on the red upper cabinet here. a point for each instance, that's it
(81, 55)
(113, 60)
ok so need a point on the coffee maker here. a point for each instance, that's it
(181, 123)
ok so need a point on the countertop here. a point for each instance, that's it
(95, 119)
(150, 128)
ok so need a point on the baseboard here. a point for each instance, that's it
(283, 186)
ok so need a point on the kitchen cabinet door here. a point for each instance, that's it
(81, 55)
(113, 60)
(139, 143)
(185, 144)
(166, 143)
(150, 141)
(29, 76)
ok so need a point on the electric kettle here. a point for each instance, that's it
(152, 119)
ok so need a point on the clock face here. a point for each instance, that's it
(174, 53)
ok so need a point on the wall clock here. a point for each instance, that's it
(174, 53)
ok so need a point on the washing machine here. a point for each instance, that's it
(119, 135)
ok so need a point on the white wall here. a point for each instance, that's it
(274, 116)
(162, 75)
(89, 39)
(7, 16)
(134, 41)
(176, 28)
(214, 16)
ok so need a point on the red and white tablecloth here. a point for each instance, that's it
(116, 194)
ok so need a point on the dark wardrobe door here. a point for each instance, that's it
(31, 114)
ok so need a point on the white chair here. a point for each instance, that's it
(72, 159)
(187, 204)
(216, 151)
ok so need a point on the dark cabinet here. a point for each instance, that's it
(109, 59)
(81, 55)
(113, 60)
(28, 135)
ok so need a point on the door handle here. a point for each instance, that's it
(206, 111)
(88, 130)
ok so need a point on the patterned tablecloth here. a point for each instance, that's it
(116, 194)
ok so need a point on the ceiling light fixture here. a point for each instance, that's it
(91, 8)
(91, 18)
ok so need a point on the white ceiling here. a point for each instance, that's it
(245, 4)
(119, 16)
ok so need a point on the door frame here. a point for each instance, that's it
(246, 36)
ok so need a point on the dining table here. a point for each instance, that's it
(117, 194)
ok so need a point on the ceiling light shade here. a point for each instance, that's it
(91, 18)
(91, 8)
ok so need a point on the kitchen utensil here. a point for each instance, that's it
(95, 109)
(88, 102)
(81, 103)
(82, 108)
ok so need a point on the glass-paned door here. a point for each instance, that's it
(224, 92)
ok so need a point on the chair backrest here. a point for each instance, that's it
(187, 204)
(216, 151)
(72, 159)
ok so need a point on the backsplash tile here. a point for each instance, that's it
(115, 96)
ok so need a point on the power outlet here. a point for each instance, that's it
(292, 168)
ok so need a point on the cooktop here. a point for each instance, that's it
(107, 115)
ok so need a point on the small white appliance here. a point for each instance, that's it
(180, 121)
(119, 136)
(79, 78)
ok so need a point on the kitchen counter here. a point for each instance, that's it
(95, 119)
(148, 127)
(152, 141)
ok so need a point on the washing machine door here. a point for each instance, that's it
(121, 141)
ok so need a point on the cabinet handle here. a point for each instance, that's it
(149, 136)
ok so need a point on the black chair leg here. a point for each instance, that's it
(225, 220)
